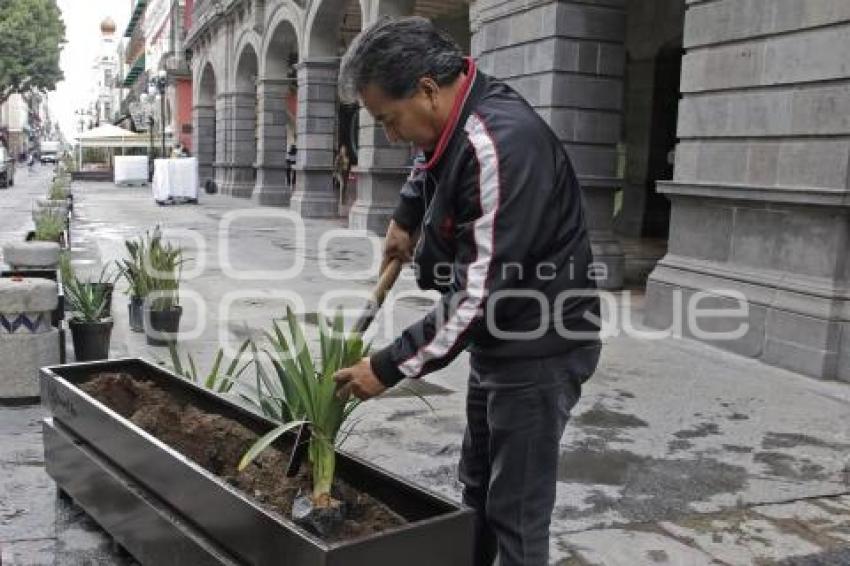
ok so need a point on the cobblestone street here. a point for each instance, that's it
(678, 453)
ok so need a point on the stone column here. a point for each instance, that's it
(222, 130)
(243, 144)
(567, 59)
(204, 140)
(27, 339)
(271, 188)
(760, 197)
(314, 196)
(381, 171)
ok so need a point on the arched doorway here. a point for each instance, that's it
(204, 127)
(651, 101)
(243, 175)
(324, 124)
(277, 105)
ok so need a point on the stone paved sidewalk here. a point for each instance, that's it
(677, 453)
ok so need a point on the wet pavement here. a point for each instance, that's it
(678, 453)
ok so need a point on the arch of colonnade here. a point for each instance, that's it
(567, 59)
(274, 67)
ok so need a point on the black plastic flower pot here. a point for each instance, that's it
(137, 314)
(161, 326)
(167, 510)
(91, 339)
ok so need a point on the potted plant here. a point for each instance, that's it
(60, 191)
(57, 198)
(168, 450)
(304, 393)
(49, 227)
(163, 262)
(90, 323)
(132, 269)
(104, 283)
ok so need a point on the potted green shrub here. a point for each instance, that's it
(132, 269)
(49, 227)
(162, 265)
(304, 393)
(90, 323)
(60, 191)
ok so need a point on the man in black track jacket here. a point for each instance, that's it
(502, 236)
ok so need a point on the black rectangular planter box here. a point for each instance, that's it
(134, 517)
(438, 532)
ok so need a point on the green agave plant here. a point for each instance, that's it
(163, 267)
(153, 266)
(214, 380)
(132, 268)
(87, 300)
(303, 391)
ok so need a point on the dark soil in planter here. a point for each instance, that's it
(217, 444)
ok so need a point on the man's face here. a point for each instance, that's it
(412, 120)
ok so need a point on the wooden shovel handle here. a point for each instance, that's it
(385, 283)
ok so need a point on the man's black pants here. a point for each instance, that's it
(517, 410)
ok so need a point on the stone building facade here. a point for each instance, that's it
(717, 127)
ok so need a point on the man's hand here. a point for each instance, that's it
(358, 380)
(398, 245)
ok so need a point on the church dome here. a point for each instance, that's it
(107, 26)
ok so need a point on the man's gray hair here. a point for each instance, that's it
(394, 54)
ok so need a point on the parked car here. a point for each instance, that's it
(7, 168)
(49, 151)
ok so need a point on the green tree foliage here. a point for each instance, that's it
(32, 34)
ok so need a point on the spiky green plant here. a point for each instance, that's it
(303, 391)
(165, 262)
(153, 267)
(214, 380)
(87, 300)
(49, 225)
(132, 268)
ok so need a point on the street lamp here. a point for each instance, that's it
(147, 104)
(159, 84)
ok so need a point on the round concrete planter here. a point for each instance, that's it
(31, 255)
(59, 207)
(62, 241)
(91, 339)
(161, 327)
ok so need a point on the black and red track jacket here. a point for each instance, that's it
(503, 238)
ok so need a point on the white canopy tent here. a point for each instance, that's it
(108, 136)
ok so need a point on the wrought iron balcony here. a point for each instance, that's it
(176, 65)
(204, 13)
